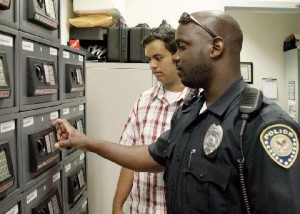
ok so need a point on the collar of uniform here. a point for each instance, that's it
(196, 103)
(221, 105)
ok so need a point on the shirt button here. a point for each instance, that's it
(201, 175)
(169, 141)
(178, 158)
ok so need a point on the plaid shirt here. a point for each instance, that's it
(149, 118)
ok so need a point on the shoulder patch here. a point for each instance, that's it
(281, 144)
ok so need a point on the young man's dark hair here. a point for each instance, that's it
(165, 34)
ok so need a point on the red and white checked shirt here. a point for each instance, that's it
(149, 118)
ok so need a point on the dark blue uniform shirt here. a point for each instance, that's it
(209, 182)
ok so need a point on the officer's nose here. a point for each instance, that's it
(176, 57)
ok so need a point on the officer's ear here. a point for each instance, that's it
(217, 47)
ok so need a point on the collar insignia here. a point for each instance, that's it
(281, 144)
(213, 138)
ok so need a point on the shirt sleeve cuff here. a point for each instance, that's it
(157, 149)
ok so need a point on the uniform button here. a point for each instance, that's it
(165, 151)
(169, 141)
(178, 158)
(201, 175)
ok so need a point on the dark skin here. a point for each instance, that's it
(203, 62)
(207, 63)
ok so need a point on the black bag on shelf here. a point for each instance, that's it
(117, 43)
(136, 36)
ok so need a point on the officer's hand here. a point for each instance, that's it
(68, 136)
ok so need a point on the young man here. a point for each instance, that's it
(217, 158)
(148, 119)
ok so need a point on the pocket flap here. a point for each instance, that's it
(206, 171)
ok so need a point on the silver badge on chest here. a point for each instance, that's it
(212, 139)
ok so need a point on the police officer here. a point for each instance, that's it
(219, 155)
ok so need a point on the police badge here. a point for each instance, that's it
(213, 138)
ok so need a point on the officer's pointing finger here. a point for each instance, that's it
(62, 144)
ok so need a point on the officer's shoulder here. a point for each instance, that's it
(279, 134)
(271, 112)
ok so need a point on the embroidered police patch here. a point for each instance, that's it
(281, 144)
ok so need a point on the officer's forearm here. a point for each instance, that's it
(136, 158)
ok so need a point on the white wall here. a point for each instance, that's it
(154, 11)
(264, 34)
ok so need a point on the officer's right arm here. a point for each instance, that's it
(136, 158)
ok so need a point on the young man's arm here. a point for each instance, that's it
(123, 190)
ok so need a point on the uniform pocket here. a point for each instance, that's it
(206, 183)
